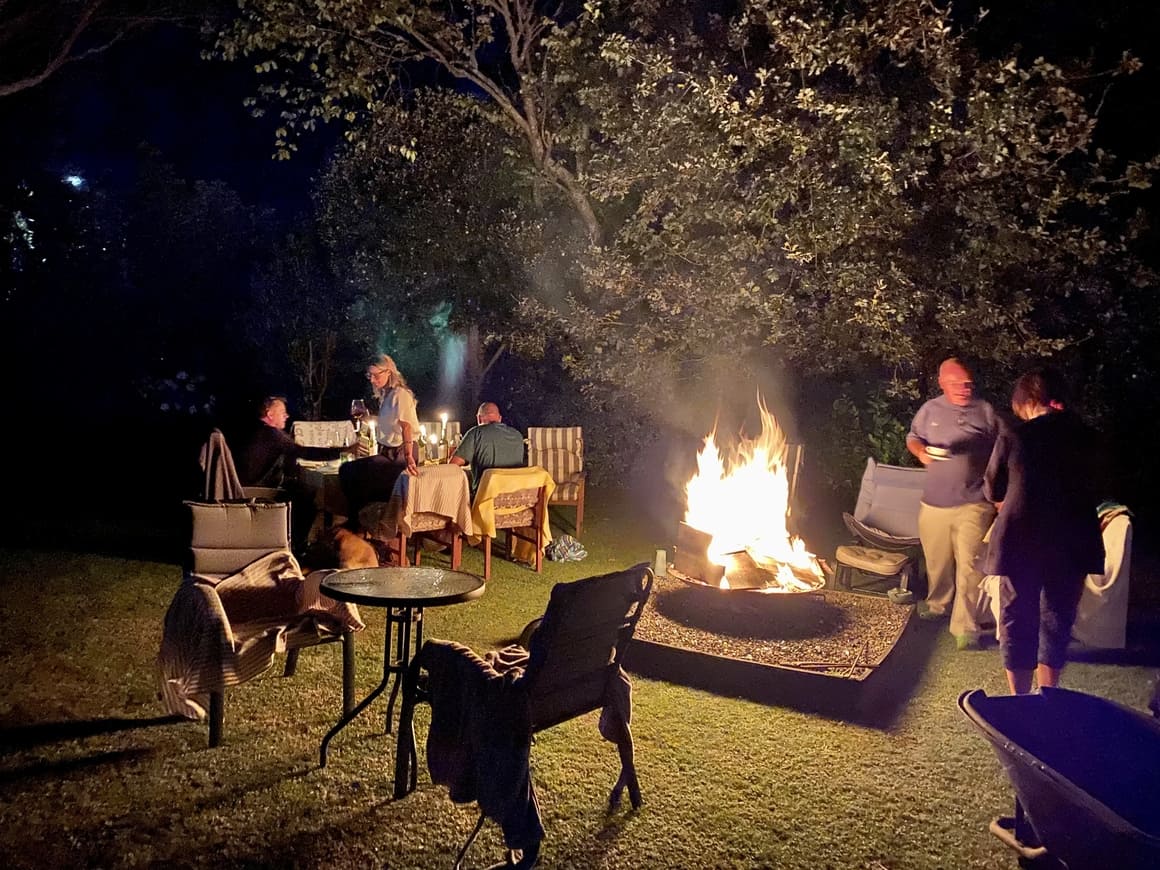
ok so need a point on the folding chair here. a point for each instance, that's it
(885, 522)
(561, 451)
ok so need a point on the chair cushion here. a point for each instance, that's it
(560, 450)
(227, 537)
(567, 493)
(881, 562)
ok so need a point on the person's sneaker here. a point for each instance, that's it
(925, 612)
(968, 642)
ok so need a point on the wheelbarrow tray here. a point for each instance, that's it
(1086, 770)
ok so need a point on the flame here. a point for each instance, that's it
(744, 503)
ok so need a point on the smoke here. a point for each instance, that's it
(452, 366)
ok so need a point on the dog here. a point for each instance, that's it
(338, 547)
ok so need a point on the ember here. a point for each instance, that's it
(741, 507)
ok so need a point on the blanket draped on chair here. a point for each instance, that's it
(479, 744)
(501, 480)
(221, 476)
(221, 633)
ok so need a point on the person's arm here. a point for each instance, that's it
(996, 477)
(915, 443)
(464, 452)
(409, 445)
(917, 449)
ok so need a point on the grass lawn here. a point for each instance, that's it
(91, 775)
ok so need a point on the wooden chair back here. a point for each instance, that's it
(560, 450)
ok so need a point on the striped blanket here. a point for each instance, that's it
(222, 632)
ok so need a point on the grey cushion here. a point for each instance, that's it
(227, 537)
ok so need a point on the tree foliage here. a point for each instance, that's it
(843, 189)
(450, 242)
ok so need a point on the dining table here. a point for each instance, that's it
(404, 593)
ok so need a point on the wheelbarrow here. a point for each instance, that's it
(1086, 772)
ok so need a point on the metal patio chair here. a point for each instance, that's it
(485, 713)
(885, 524)
(234, 610)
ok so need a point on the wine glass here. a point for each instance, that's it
(358, 413)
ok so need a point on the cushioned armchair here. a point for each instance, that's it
(561, 451)
(484, 711)
(243, 599)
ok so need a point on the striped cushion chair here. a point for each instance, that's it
(561, 451)
(323, 433)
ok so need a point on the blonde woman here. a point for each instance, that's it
(398, 414)
(373, 478)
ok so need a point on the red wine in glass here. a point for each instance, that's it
(358, 413)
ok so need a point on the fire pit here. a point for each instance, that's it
(833, 652)
(744, 610)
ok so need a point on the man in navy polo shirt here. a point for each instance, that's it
(952, 436)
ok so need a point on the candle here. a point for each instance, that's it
(423, 433)
(443, 419)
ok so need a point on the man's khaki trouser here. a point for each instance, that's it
(952, 541)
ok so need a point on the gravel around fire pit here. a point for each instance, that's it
(829, 632)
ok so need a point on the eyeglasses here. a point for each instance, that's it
(374, 373)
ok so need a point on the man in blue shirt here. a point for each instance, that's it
(952, 436)
(490, 444)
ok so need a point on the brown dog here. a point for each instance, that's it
(341, 548)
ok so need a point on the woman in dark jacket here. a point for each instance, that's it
(1046, 539)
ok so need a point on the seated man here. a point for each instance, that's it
(490, 444)
(270, 458)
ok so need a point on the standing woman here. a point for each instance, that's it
(1046, 540)
(398, 414)
(373, 478)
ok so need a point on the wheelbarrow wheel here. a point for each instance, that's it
(526, 635)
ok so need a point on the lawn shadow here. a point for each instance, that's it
(55, 769)
(42, 733)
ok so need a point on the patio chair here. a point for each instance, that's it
(221, 475)
(323, 433)
(885, 523)
(514, 500)
(434, 505)
(242, 600)
(484, 712)
(561, 451)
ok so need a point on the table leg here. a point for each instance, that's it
(365, 702)
(406, 616)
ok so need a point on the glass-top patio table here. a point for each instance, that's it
(404, 592)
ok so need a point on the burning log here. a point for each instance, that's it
(735, 534)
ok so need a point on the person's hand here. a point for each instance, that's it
(412, 468)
